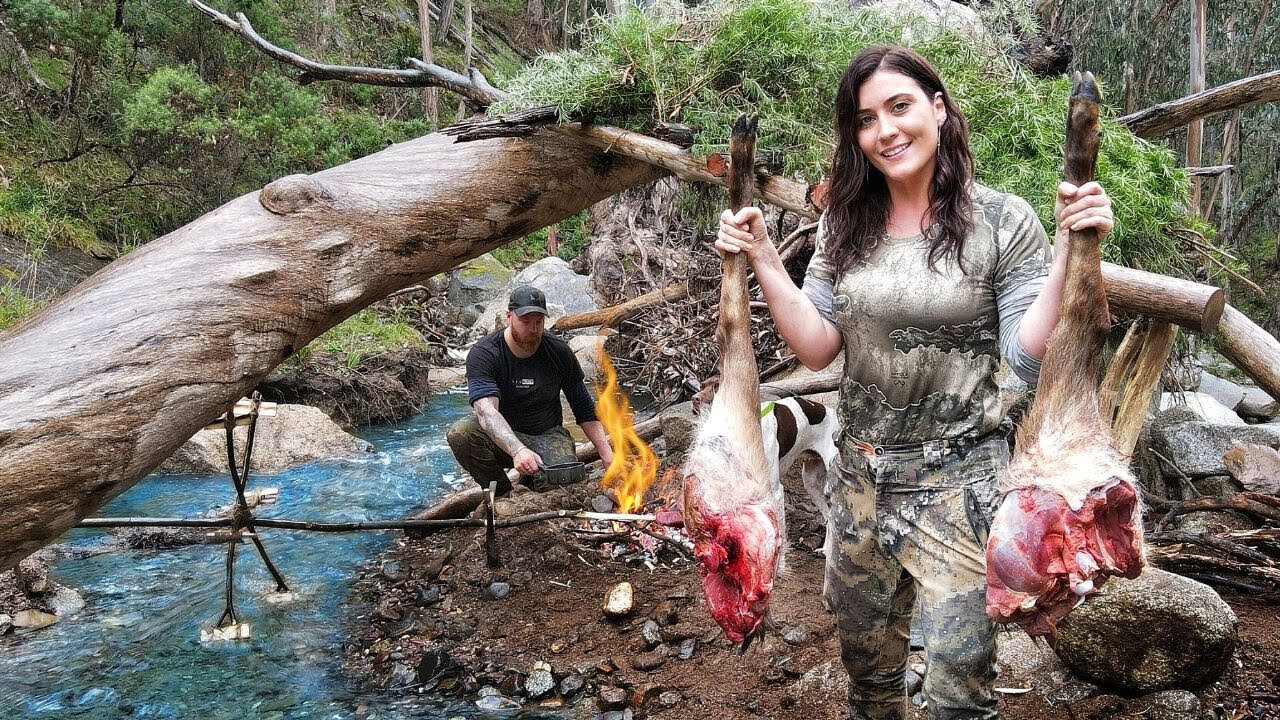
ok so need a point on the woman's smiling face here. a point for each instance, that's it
(898, 128)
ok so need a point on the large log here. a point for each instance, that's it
(1181, 302)
(108, 381)
(1252, 349)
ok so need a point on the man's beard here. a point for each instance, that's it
(527, 341)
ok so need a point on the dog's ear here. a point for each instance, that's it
(703, 397)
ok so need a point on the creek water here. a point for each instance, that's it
(134, 651)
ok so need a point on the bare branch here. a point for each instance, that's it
(1159, 119)
(1208, 170)
(423, 74)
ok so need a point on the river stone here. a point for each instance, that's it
(572, 683)
(434, 663)
(796, 635)
(497, 591)
(33, 619)
(646, 662)
(540, 680)
(497, 703)
(679, 425)
(295, 435)
(619, 601)
(1225, 392)
(1196, 447)
(612, 698)
(825, 680)
(477, 282)
(1257, 467)
(1258, 405)
(651, 634)
(567, 294)
(1206, 406)
(1156, 632)
(1169, 705)
(6, 622)
(688, 647)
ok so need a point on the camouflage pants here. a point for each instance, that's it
(480, 456)
(902, 531)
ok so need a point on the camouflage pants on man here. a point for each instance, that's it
(907, 530)
(480, 456)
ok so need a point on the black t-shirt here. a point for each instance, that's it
(528, 389)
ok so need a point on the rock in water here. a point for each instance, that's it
(619, 601)
(32, 619)
(1156, 632)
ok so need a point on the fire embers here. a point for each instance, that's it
(738, 553)
(1044, 558)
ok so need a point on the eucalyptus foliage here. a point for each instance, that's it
(783, 59)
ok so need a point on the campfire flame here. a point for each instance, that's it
(634, 463)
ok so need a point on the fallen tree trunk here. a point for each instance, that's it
(606, 317)
(1252, 349)
(1159, 119)
(108, 381)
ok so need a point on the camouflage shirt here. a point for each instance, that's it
(921, 345)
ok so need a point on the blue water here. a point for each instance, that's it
(134, 651)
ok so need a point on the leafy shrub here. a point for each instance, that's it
(360, 337)
(784, 59)
(572, 234)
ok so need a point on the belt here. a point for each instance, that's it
(932, 450)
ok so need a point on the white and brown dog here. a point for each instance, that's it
(797, 428)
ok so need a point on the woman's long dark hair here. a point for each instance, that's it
(859, 199)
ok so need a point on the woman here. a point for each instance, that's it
(925, 279)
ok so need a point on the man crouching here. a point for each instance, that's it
(514, 380)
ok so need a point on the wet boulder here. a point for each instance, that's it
(1258, 406)
(567, 294)
(1197, 446)
(295, 435)
(475, 283)
(1156, 632)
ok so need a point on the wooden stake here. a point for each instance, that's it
(490, 535)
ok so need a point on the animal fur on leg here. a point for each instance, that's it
(731, 514)
(1071, 516)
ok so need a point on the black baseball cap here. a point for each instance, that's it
(526, 299)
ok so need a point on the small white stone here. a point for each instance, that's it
(619, 601)
(235, 631)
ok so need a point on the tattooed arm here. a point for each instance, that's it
(497, 428)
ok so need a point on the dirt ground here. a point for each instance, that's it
(434, 597)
